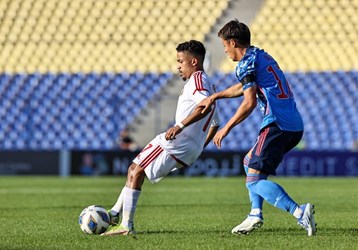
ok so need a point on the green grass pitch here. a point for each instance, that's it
(176, 213)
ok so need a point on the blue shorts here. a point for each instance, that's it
(270, 147)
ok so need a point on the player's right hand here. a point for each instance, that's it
(219, 136)
(172, 132)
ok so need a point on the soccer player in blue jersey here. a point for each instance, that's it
(262, 82)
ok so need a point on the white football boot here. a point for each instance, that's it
(251, 223)
(307, 221)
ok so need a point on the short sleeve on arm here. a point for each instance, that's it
(246, 71)
(199, 89)
(248, 81)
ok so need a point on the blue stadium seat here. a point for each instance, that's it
(326, 101)
(53, 111)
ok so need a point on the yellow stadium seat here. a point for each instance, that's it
(93, 35)
(306, 31)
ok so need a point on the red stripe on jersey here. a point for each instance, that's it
(198, 80)
(150, 158)
(209, 119)
(261, 141)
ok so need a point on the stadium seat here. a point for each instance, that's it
(93, 36)
(74, 73)
(54, 111)
(303, 35)
(330, 122)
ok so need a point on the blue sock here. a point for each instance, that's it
(255, 199)
(270, 191)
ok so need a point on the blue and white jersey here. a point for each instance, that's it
(273, 91)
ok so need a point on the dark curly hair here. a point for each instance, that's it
(238, 31)
(193, 47)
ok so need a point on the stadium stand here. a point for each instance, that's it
(100, 36)
(315, 43)
(307, 35)
(326, 100)
(73, 73)
(82, 111)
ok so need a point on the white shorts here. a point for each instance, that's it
(158, 159)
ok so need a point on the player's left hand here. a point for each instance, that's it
(172, 132)
(220, 135)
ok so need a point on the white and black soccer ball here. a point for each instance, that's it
(94, 220)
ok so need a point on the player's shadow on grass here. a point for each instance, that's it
(227, 233)
(234, 204)
(321, 231)
(338, 231)
(281, 231)
(180, 231)
(260, 232)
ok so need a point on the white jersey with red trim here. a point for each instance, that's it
(160, 156)
(195, 90)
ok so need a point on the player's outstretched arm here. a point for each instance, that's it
(231, 92)
(195, 116)
(244, 110)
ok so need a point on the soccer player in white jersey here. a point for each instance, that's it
(179, 146)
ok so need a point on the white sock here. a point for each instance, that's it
(255, 211)
(298, 213)
(118, 207)
(130, 199)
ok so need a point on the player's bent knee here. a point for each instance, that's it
(135, 177)
(135, 172)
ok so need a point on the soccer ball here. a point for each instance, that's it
(94, 220)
